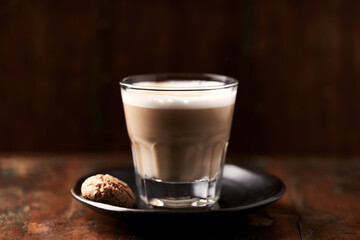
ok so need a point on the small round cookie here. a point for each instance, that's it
(108, 189)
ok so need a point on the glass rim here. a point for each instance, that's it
(128, 82)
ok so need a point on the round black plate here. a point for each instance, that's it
(242, 192)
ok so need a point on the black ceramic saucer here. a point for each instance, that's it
(242, 192)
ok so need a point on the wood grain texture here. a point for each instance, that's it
(321, 201)
(297, 63)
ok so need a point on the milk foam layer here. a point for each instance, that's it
(172, 84)
(180, 94)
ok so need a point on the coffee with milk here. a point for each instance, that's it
(178, 135)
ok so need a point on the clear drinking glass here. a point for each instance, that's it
(179, 126)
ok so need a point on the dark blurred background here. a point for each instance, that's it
(298, 63)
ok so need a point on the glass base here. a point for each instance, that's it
(201, 193)
(181, 203)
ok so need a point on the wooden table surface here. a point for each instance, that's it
(321, 202)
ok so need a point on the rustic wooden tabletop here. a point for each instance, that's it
(321, 202)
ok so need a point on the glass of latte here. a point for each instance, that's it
(179, 127)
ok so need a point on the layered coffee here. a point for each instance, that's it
(179, 135)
